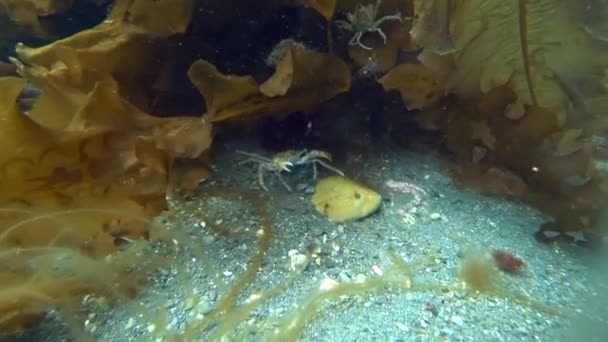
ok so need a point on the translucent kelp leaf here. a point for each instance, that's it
(96, 157)
(65, 106)
(521, 44)
(490, 180)
(432, 31)
(303, 79)
(50, 201)
(221, 91)
(26, 13)
(593, 19)
(419, 87)
(481, 132)
(85, 170)
(531, 77)
(563, 143)
(163, 17)
(325, 7)
(74, 192)
(108, 49)
(126, 46)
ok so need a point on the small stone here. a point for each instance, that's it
(328, 284)
(301, 186)
(343, 277)
(90, 326)
(309, 190)
(435, 216)
(457, 320)
(447, 332)
(189, 303)
(360, 278)
(522, 331)
(297, 261)
(130, 323)
(402, 327)
(169, 304)
(204, 307)
(172, 324)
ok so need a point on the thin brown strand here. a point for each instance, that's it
(523, 37)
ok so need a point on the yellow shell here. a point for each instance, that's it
(341, 199)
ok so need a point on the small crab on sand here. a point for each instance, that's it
(363, 20)
(283, 161)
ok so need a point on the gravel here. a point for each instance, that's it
(549, 300)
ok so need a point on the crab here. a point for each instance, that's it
(284, 160)
(363, 20)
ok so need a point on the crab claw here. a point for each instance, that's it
(286, 166)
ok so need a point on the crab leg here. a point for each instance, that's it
(327, 166)
(357, 38)
(261, 177)
(381, 33)
(253, 157)
(248, 160)
(388, 17)
(354, 40)
(283, 181)
(344, 25)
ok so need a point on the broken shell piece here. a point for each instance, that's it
(341, 199)
(377, 270)
(328, 284)
(297, 260)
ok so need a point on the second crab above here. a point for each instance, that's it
(283, 162)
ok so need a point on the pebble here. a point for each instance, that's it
(130, 323)
(189, 303)
(522, 331)
(435, 216)
(360, 278)
(402, 327)
(204, 307)
(172, 324)
(457, 320)
(297, 261)
(343, 277)
(446, 332)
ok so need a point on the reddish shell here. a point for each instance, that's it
(508, 262)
